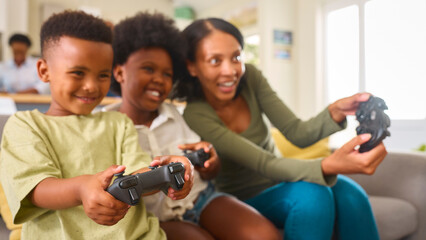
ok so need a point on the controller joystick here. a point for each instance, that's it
(198, 157)
(129, 188)
(372, 119)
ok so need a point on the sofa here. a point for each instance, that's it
(397, 193)
(397, 190)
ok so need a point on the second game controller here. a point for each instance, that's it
(129, 188)
(198, 157)
(372, 119)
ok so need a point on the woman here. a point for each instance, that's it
(226, 100)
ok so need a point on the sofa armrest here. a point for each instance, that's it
(401, 175)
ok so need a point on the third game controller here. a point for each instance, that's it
(129, 188)
(372, 119)
(198, 157)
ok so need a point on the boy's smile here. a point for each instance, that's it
(79, 72)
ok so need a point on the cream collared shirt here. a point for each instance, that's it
(166, 132)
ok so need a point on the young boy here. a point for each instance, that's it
(147, 58)
(56, 166)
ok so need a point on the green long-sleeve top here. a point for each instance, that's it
(249, 164)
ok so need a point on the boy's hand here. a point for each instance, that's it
(189, 174)
(98, 204)
(212, 165)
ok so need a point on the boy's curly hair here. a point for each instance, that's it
(145, 30)
(77, 24)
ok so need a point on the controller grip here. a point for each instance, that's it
(373, 120)
(198, 157)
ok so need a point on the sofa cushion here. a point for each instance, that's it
(287, 149)
(395, 218)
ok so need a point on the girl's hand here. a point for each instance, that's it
(212, 165)
(189, 174)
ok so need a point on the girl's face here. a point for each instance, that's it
(146, 78)
(218, 66)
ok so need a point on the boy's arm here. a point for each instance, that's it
(88, 190)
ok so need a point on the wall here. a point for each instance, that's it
(294, 80)
(272, 14)
(2, 28)
(111, 10)
(310, 85)
(281, 73)
(13, 19)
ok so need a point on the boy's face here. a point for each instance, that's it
(146, 79)
(79, 72)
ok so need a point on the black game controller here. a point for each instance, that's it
(373, 120)
(198, 157)
(129, 188)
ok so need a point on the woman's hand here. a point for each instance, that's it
(347, 159)
(346, 106)
(189, 174)
(212, 165)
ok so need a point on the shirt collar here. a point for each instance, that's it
(164, 114)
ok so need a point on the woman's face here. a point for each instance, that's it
(218, 65)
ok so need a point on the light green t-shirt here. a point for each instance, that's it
(36, 146)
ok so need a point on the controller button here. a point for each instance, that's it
(134, 197)
(373, 115)
(175, 168)
(179, 181)
(119, 175)
(128, 183)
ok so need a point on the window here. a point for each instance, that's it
(342, 53)
(395, 55)
(251, 49)
(379, 46)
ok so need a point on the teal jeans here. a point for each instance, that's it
(311, 211)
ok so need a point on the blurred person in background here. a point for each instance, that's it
(19, 75)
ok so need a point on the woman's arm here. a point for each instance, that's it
(301, 133)
(236, 148)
